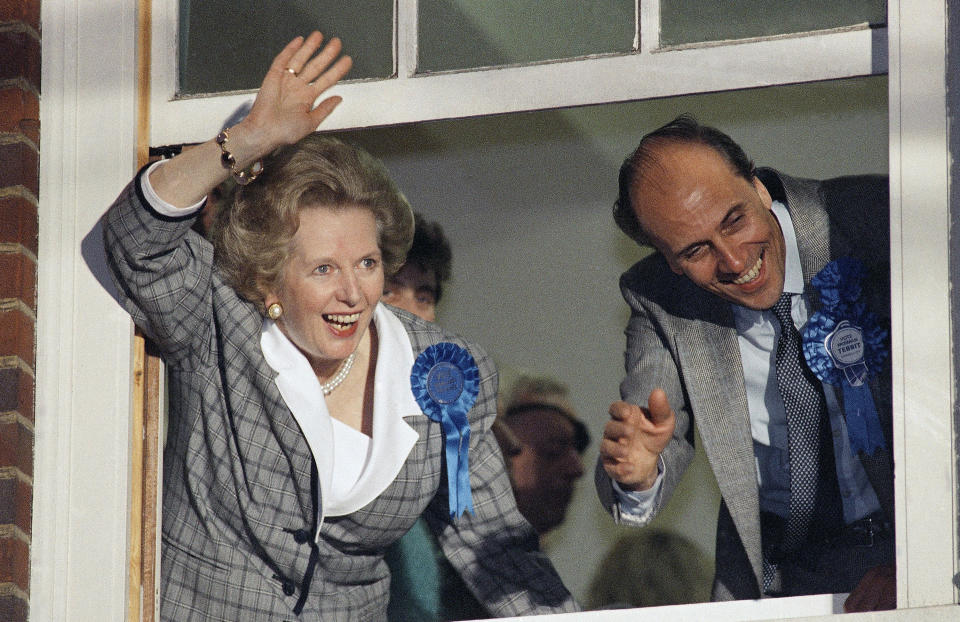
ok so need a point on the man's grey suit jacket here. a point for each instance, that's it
(238, 505)
(683, 339)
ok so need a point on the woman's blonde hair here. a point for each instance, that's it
(253, 233)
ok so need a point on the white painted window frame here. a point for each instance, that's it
(923, 375)
(83, 436)
(650, 71)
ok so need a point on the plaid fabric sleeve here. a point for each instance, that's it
(162, 271)
(494, 549)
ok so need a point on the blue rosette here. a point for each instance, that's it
(845, 346)
(445, 382)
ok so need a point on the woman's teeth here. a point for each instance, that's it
(340, 321)
(751, 274)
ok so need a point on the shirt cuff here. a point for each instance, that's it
(639, 504)
(159, 205)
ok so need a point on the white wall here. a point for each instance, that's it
(526, 201)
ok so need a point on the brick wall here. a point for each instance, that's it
(19, 173)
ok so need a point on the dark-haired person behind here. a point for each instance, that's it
(418, 285)
(423, 584)
(308, 422)
(762, 319)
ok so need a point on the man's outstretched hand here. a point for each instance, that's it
(634, 438)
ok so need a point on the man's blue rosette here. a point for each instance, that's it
(845, 346)
(445, 382)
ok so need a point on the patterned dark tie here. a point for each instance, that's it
(806, 411)
(815, 504)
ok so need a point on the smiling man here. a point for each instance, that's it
(715, 340)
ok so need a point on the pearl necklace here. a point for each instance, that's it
(341, 375)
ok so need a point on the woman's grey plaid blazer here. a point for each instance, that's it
(238, 509)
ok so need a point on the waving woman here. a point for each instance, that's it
(310, 425)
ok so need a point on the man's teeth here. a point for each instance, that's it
(751, 274)
(342, 320)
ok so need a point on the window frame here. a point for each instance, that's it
(80, 536)
(925, 419)
(649, 71)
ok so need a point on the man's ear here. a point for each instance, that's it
(764, 194)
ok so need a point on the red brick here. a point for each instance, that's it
(13, 609)
(19, 222)
(20, 112)
(26, 394)
(21, 54)
(18, 278)
(8, 498)
(16, 446)
(23, 513)
(16, 497)
(17, 392)
(15, 562)
(26, 11)
(9, 388)
(19, 166)
(17, 336)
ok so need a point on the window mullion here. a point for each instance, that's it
(648, 36)
(406, 39)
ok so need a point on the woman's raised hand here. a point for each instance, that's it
(284, 110)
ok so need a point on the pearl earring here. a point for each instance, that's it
(274, 311)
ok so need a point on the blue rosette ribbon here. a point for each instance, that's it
(845, 346)
(445, 382)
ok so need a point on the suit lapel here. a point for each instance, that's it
(266, 412)
(404, 499)
(291, 439)
(817, 248)
(710, 360)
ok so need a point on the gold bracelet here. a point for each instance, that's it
(229, 162)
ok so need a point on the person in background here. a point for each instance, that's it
(679, 575)
(418, 285)
(551, 440)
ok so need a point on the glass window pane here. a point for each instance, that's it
(227, 45)
(693, 21)
(462, 34)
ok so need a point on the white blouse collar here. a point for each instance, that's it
(393, 399)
